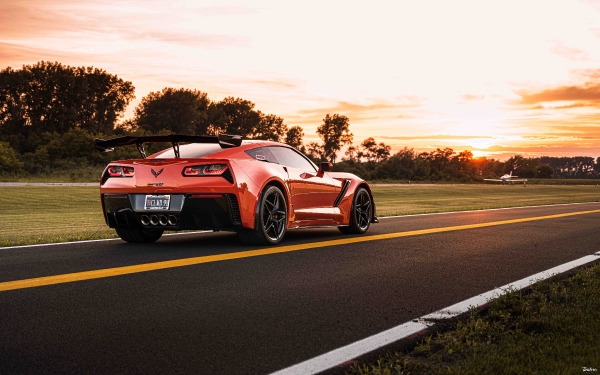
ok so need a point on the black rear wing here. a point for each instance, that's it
(224, 140)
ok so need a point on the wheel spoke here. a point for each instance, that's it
(270, 226)
(269, 210)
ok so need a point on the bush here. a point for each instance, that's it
(9, 163)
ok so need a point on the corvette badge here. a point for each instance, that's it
(155, 173)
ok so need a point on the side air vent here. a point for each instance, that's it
(345, 186)
(228, 176)
(236, 218)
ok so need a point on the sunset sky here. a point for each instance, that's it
(495, 77)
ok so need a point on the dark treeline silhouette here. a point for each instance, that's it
(50, 113)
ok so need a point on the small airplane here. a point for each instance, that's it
(507, 178)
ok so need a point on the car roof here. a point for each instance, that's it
(209, 149)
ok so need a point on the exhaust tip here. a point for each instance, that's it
(172, 220)
(163, 220)
(154, 220)
(145, 220)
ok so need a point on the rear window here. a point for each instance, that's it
(262, 154)
(192, 150)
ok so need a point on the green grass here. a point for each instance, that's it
(80, 174)
(416, 199)
(530, 181)
(42, 214)
(552, 329)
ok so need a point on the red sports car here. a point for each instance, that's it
(257, 188)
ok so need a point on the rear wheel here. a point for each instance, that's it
(135, 235)
(271, 219)
(362, 212)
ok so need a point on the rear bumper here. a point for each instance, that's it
(187, 211)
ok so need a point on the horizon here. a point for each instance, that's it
(498, 79)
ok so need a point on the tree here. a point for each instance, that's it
(315, 152)
(545, 171)
(270, 127)
(294, 138)
(369, 149)
(438, 161)
(522, 167)
(335, 133)
(351, 153)
(51, 97)
(382, 152)
(180, 111)
(233, 116)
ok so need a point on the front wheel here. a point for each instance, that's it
(135, 235)
(271, 219)
(362, 212)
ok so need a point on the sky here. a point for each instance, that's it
(498, 78)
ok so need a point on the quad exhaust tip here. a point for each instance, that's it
(158, 220)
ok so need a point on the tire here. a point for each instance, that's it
(362, 213)
(271, 219)
(135, 235)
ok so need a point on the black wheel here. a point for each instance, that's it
(362, 213)
(271, 219)
(135, 235)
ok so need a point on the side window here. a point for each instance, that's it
(262, 154)
(291, 158)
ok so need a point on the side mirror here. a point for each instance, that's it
(324, 167)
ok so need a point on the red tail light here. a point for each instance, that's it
(118, 171)
(205, 170)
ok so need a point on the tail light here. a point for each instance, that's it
(118, 171)
(205, 170)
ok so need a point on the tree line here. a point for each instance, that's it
(50, 113)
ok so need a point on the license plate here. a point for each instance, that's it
(157, 202)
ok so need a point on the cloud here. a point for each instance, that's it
(432, 137)
(224, 11)
(57, 24)
(570, 53)
(589, 93)
(575, 105)
(347, 107)
(469, 97)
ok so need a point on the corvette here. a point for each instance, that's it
(259, 189)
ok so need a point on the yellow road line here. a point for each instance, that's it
(117, 271)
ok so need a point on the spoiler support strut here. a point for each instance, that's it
(140, 147)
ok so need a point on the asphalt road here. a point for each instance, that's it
(260, 314)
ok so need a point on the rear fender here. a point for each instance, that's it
(252, 178)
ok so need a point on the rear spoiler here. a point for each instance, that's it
(224, 140)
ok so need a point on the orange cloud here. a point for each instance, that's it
(469, 97)
(589, 92)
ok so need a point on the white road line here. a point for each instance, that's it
(364, 346)
(88, 241)
(487, 209)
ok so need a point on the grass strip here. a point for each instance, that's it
(415, 199)
(44, 214)
(551, 328)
